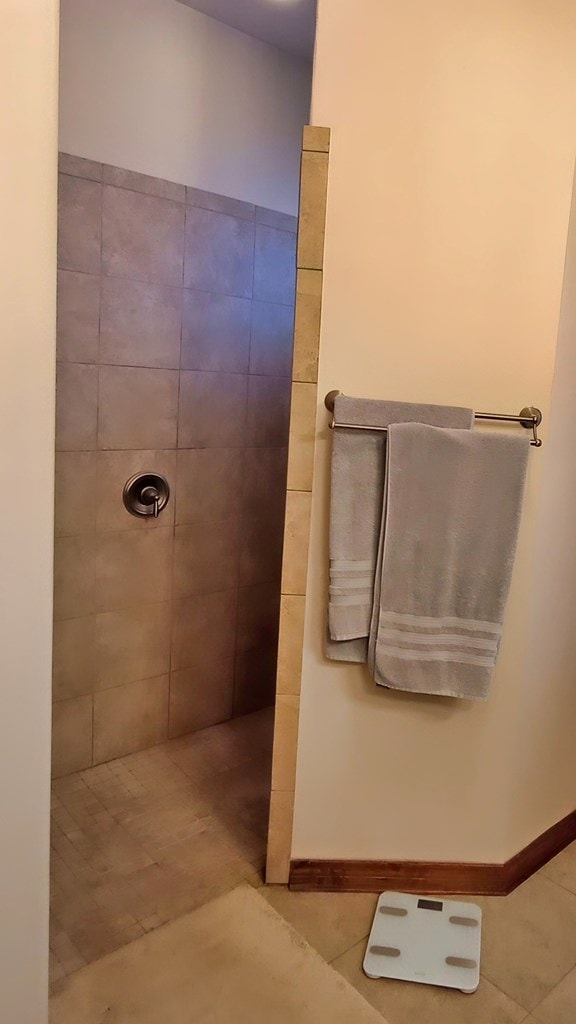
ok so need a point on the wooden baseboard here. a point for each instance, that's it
(433, 877)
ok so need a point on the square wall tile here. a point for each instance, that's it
(219, 204)
(260, 550)
(73, 662)
(302, 437)
(79, 166)
(140, 323)
(276, 219)
(71, 736)
(79, 224)
(209, 484)
(142, 237)
(203, 626)
(132, 644)
(279, 837)
(206, 557)
(76, 407)
(133, 568)
(274, 265)
(312, 224)
(307, 325)
(75, 493)
(74, 576)
(201, 697)
(114, 470)
(258, 615)
(296, 539)
(212, 410)
(219, 253)
(129, 718)
(137, 408)
(285, 742)
(254, 680)
(137, 182)
(268, 417)
(78, 317)
(264, 483)
(215, 332)
(291, 643)
(272, 339)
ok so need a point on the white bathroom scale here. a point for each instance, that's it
(432, 941)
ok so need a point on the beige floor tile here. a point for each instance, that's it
(171, 820)
(403, 1002)
(110, 853)
(562, 869)
(233, 960)
(128, 845)
(92, 930)
(529, 939)
(209, 861)
(560, 1006)
(331, 922)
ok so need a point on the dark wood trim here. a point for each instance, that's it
(439, 878)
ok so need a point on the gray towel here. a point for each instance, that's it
(358, 466)
(452, 511)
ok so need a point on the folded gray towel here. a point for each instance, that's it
(358, 466)
(452, 511)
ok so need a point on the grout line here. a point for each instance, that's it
(353, 945)
(241, 533)
(165, 284)
(559, 885)
(176, 369)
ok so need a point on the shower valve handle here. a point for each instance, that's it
(146, 494)
(150, 496)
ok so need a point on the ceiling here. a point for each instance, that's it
(288, 24)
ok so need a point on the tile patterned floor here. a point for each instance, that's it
(528, 952)
(145, 839)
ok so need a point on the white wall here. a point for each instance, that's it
(156, 87)
(28, 108)
(450, 186)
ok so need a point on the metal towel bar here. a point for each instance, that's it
(530, 418)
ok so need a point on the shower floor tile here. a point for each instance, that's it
(143, 839)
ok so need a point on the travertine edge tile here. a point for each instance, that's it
(279, 837)
(296, 541)
(285, 747)
(315, 139)
(307, 326)
(302, 437)
(313, 194)
(290, 644)
(314, 184)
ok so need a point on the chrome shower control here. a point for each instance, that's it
(146, 494)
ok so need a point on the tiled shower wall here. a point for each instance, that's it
(175, 326)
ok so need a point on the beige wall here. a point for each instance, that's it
(449, 196)
(545, 764)
(28, 70)
(156, 87)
